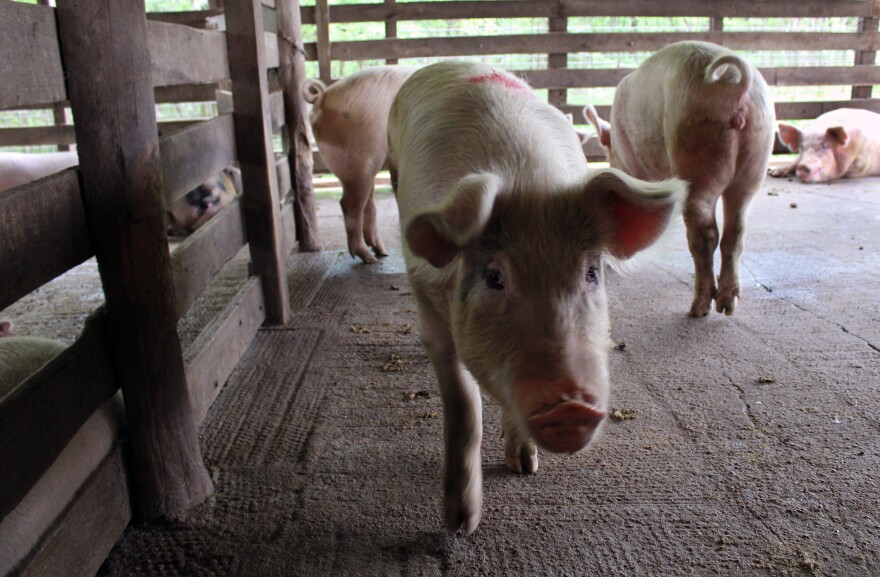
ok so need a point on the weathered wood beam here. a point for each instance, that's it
(253, 133)
(379, 12)
(299, 158)
(322, 44)
(84, 534)
(105, 50)
(30, 67)
(867, 57)
(43, 227)
(192, 155)
(203, 254)
(40, 416)
(559, 42)
(216, 351)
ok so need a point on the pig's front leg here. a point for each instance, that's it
(520, 451)
(786, 170)
(462, 426)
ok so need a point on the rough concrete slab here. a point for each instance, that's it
(753, 446)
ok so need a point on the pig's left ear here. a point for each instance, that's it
(438, 234)
(838, 135)
(638, 211)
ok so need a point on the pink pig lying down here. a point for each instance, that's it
(843, 143)
(17, 168)
(697, 111)
(349, 121)
(506, 234)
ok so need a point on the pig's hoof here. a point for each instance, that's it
(365, 256)
(379, 250)
(726, 302)
(700, 308)
(520, 456)
(463, 512)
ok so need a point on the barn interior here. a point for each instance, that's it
(280, 414)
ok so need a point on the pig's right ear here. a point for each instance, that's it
(639, 211)
(439, 234)
(790, 136)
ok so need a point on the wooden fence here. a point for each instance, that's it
(110, 64)
(559, 44)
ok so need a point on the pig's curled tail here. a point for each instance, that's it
(313, 91)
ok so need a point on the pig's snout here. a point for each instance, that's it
(567, 427)
(803, 172)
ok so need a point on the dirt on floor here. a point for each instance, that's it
(739, 446)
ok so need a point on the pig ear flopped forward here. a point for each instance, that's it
(640, 211)
(439, 234)
(790, 136)
(838, 135)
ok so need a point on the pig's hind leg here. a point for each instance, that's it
(371, 226)
(702, 235)
(736, 201)
(462, 426)
(356, 196)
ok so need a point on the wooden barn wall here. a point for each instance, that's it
(50, 63)
(558, 43)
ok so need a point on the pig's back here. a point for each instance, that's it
(452, 119)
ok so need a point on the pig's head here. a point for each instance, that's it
(823, 155)
(198, 206)
(528, 308)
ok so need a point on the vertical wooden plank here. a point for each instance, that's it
(558, 24)
(292, 74)
(391, 26)
(253, 136)
(869, 56)
(716, 24)
(322, 24)
(58, 111)
(104, 47)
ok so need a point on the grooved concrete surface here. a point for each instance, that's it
(753, 447)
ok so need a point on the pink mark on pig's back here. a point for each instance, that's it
(503, 80)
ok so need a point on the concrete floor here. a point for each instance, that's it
(751, 444)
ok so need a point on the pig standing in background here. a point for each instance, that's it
(843, 143)
(189, 212)
(18, 168)
(697, 111)
(349, 121)
(506, 234)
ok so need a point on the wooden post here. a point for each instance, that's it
(58, 111)
(292, 72)
(104, 48)
(391, 26)
(560, 96)
(322, 33)
(870, 56)
(253, 135)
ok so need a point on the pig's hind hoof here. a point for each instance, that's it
(365, 256)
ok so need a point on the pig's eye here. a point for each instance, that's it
(494, 280)
(592, 275)
(823, 146)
